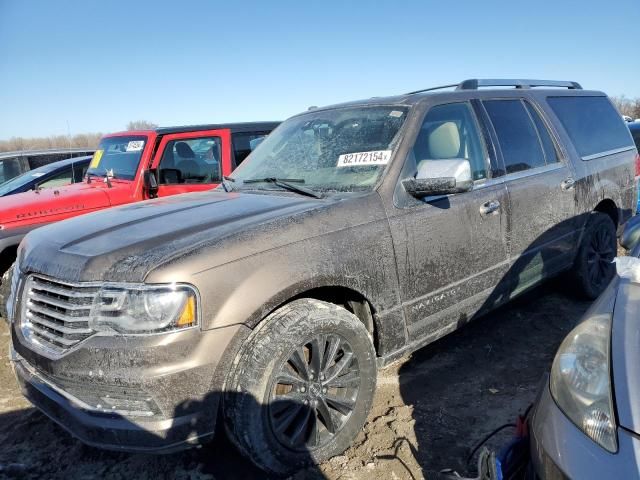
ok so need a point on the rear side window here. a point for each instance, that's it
(592, 123)
(550, 152)
(517, 135)
(245, 143)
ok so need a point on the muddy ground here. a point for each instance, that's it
(434, 406)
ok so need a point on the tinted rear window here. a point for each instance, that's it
(593, 124)
(517, 135)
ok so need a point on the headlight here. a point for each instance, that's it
(9, 289)
(144, 309)
(581, 380)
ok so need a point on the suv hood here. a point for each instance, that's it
(126, 243)
(44, 205)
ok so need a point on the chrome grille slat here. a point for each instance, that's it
(56, 302)
(55, 315)
(41, 341)
(51, 287)
(55, 326)
(52, 337)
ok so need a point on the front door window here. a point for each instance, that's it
(191, 161)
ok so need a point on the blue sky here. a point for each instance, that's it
(99, 64)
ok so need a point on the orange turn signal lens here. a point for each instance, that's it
(188, 315)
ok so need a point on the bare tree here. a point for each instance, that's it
(83, 140)
(141, 125)
(627, 106)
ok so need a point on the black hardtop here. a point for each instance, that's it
(475, 88)
(234, 127)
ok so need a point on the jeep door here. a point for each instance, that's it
(192, 161)
(451, 250)
(542, 230)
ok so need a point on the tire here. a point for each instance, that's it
(593, 268)
(277, 412)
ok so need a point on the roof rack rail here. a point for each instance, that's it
(475, 83)
(434, 88)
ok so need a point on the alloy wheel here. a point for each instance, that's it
(600, 255)
(314, 392)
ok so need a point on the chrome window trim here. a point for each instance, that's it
(532, 172)
(594, 156)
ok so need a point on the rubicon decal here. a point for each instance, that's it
(50, 211)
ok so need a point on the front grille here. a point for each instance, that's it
(55, 315)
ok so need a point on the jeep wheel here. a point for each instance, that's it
(593, 268)
(301, 387)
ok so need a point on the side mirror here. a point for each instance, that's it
(150, 183)
(440, 177)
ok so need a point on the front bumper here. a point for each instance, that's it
(559, 450)
(157, 393)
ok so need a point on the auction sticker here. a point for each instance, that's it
(362, 159)
(95, 161)
(135, 145)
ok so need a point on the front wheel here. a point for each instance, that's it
(301, 387)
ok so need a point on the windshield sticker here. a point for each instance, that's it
(135, 145)
(361, 159)
(37, 174)
(396, 113)
(95, 161)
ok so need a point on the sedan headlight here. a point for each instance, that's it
(581, 380)
(144, 309)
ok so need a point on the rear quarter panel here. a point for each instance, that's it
(606, 177)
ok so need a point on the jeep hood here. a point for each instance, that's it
(126, 243)
(47, 204)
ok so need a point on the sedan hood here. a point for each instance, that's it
(625, 354)
(44, 205)
(125, 243)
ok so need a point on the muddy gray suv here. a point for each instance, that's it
(353, 235)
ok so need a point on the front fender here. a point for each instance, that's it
(360, 259)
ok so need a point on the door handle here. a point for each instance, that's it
(489, 207)
(567, 184)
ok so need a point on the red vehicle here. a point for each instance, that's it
(130, 167)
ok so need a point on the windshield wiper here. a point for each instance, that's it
(226, 185)
(287, 184)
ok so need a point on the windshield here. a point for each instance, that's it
(120, 155)
(10, 168)
(344, 149)
(23, 179)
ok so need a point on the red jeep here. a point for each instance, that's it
(130, 167)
